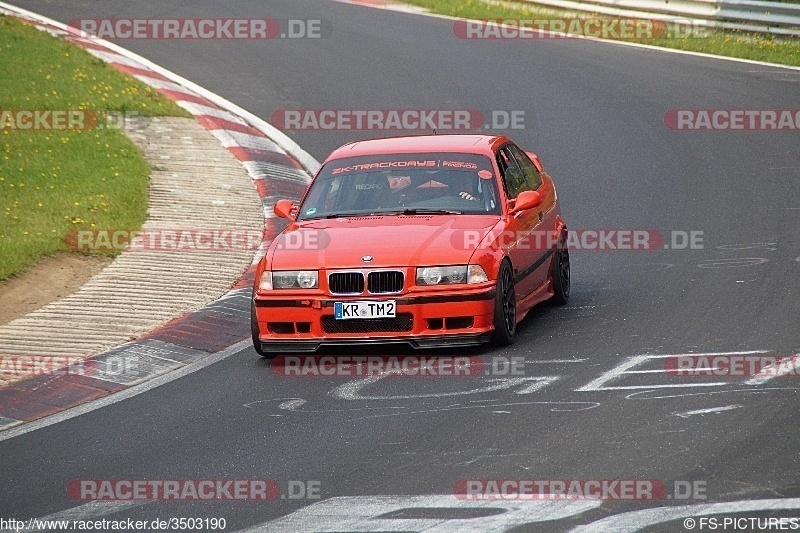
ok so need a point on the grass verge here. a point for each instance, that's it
(781, 50)
(55, 180)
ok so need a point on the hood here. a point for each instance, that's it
(392, 241)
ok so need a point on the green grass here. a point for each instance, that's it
(53, 182)
(785, 51)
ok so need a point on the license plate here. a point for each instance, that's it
(347, 310)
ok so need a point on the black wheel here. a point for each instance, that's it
(254, 331)
(560, 274)
(505, 307)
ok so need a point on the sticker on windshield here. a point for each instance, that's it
(383, 165)
(311, 211)
(485, 174)
(460, 164)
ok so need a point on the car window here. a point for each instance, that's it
(395, 183)
(533, 180)
(513, 177)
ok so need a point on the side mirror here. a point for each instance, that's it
(526, 200)
(536, 161)
(283, 208)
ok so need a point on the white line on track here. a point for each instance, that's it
(784, 368)
(372, 513)
(637, 520)
(555, 407)
(352, 389)
(124, 394)
(645, 394)
(600, 384)
(555, 361)
(710, 410)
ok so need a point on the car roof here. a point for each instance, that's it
(463, 143)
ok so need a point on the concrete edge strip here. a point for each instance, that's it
(179, 343)
(130, 392)
(257, 145)
(405, 8)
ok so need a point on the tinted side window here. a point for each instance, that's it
(533, 179)
(513, 177)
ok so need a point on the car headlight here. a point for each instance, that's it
(289, 279)
(307, 279)
(442, 275)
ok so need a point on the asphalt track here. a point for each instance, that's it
(594, 113)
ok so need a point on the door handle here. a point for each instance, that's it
(541, 216)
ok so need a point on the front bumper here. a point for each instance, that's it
(441, 319)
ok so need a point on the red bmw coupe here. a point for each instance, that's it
(432, 241)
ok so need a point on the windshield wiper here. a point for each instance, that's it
(425, 211)
(414, 211)
(348, 215)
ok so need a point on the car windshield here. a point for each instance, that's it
(427, 183)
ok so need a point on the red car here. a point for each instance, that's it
(433, 241)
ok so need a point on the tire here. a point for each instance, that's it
(561, 275)
(254, 332)
(505, 307)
